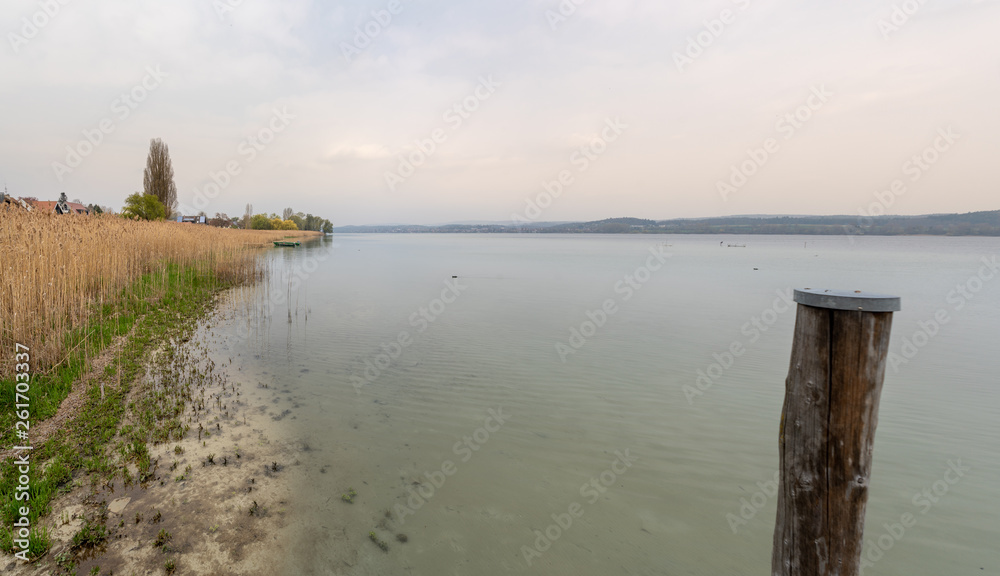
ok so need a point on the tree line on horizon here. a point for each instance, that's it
(288, 220)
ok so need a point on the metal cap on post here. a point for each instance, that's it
(827, 431)
(847, 300)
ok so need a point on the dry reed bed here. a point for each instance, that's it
(54, 269)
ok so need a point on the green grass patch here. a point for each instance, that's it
(92, 533)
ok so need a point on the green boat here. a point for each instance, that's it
(285, 243)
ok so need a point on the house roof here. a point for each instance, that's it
(50, 206)
(44, 205)
(15, 201)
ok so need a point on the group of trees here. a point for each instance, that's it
(310, 222)
(265, 222)
(290, 220)
(221, 220)
(158, 200)
(144, 207)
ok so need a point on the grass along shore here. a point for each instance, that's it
(105, 306)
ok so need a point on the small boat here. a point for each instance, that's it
(285, 243)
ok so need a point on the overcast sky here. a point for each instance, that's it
(643, 107)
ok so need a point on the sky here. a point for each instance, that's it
(426, 112)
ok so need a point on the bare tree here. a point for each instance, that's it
(221, 220)
(287, 213)
(247, 216)
(158, 178)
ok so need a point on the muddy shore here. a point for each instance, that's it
(220, 500)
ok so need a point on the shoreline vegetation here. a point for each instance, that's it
(107, 308)
(971, 224)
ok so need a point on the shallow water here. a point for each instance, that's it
(478, 436)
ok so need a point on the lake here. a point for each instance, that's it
(568, 404)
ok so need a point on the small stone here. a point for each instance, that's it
(117, 506)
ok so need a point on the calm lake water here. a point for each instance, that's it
(468, 416)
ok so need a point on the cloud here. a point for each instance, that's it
(363, 152)
(608, 59)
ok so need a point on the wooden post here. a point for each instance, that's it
(827, 430)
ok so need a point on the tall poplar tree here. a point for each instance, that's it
(158, 178)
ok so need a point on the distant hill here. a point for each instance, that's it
(969, 224)
(493, 222)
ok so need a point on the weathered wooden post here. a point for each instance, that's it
(828, 428)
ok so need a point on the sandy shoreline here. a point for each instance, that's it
(221, 499)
